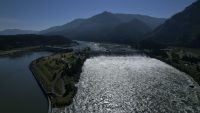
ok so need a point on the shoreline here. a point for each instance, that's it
(34, 48)
(42, 88)
(15, 51)
(178, 68)
(186, 67)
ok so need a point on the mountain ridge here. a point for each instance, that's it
(182, 29)
(99, 27)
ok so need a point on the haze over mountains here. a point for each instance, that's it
(183, 29)
(107, 27)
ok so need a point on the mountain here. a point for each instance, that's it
(69, 26)
(152, 22)
(102, 27)
(16, 31)
(130, 31)
(182, 29)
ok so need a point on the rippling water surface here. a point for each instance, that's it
(134, 85)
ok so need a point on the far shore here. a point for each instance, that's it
(19, 50)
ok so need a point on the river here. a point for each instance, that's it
(109, 83)
(20, 92)
(134, 84)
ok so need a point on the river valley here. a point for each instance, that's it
(109, 83)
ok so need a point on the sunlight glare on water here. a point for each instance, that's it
(111, 84)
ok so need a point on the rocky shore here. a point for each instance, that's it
(183, 60)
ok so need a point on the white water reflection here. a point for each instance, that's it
(134, 85)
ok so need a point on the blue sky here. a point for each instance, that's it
(41, 14)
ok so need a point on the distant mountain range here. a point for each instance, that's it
(183, 29)
(103, 27)
(16, 31)
(107, 27)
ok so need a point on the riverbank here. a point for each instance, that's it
(55, 49)
(41, 87)
(19, 50)
(185, 59)
(57, 75)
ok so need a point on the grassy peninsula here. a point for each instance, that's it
(57, 75)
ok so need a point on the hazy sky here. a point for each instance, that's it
(41, 14)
